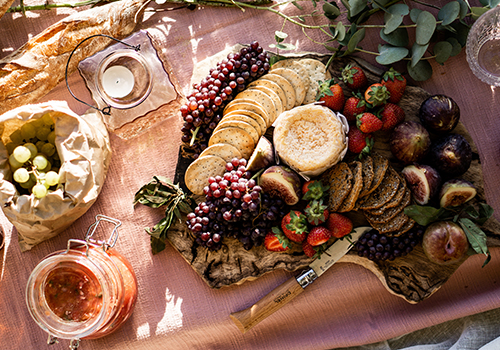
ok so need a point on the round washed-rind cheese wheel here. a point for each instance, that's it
(310, 139)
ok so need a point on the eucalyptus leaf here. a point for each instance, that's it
(394, 17)
(457, 48)
(355, 39)
(421, 71)
(280, 36)
(380, 4)
(493, 3)
(423, 215)
(476, 237)
(399, 37)
(356, 6)
(484, 2)
(414, 14)
(285, 46)
(449, 12)
(442, 51)
(426, 25)
(341, 31)
(297, 5)
(464, 9)
(391, 54)
(477, 12)
(462, 31)
(417, 52)
(331, 11)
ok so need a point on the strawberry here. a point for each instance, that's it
(368, 123)
(313, 252)
(377, 95)
(339, 224)
(392, 115)
(353, 106)
(359, 142)
(276, 241)
(313, 189)
(395, 83)
(331, 94)
(353, 77)
(318, 236)
(294, 226)
(316, 212)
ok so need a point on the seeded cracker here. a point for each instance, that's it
(251, 118)
(270, 85)
(273, 95)
(237, 137)
(384, 192)
(387, 214)
(222, 150)
(380, 165)
(394, 225)
(263, 99)
(294, 79)
(317, 72)
(240, 125)
(285, 85)
(339, 178)
(198, 172)
(357, 185)
(368, 174)
(250, 106)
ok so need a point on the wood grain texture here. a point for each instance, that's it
(4, 6)
(413, 277)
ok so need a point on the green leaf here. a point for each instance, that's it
(476, 238)
(355, 39)
(484, 2)
(493, 3)
(285, 46)
(477, 12)
(380, 3)
(391, 54)
(426, 25)
(280, 36)
(442, 51)
(464, 9)
(449, 12)
(399, 37)
(340, 29)
(394, 17)
(485, 212)
(462, 31)
(356, 6)
(423, 215)
(417, 52)
(331, 10)
(297, 5)
(421, 71)
(457, 48)
(157, 245)
(414, 14)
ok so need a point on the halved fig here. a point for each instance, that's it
(456, 192)
(423, 182)
(282, 182)
(262, 156)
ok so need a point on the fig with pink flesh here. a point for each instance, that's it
(423, 182)
(445, 242)
(456, 192)
(281, 181)
(262, 156)
(410, 142)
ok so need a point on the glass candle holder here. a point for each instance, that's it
(86, 291)
(483, 47)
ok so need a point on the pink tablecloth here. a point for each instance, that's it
(176, 309)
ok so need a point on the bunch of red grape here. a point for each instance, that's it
(234, 206)
(203, 110)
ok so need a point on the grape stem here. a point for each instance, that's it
(193, 138)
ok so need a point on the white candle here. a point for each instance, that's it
(118, 81)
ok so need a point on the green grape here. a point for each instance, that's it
(14, 164)
(33, 149)
(51, 138)
(21, 175)
(10, 147)
(39, 144)
(40, 162)
(16, 137)
(48, 149)
(48, 167)
(42, 133)
(38, 123)
(28, 131)
(30, 183)
(21, 154)
(39, 191)
(52, 178)
(47, 119)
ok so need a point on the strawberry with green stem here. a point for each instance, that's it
(368, 122)
(353, 106)
(294, 226)
(316, 212)
(331, 94)
(339, 224)
(318, 236)
(314, 189)
(359, 142)
(353, 77)
(391, 115)
(377, 95)
(276, 241)
(395, 83)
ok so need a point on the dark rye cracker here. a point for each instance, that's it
(339, 178)
(393, 225)
(380, 165)
(368, 174)
(389, 213)
(395, 201)
(357, 185)
(384, 192)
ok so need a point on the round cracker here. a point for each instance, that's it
(285, 85)
(241, 125)
(317, 73)
(256, 120)
(260, 97)
(294, 79)
(223, 150)
(273, 86)
(198, 172)
(296, 66)
(248, 105)
(273, 95)
(239, 138)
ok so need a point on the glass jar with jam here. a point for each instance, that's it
(86, 291)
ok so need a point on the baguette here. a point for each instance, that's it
(38, 66)
(4, 6)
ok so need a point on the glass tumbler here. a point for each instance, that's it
(483, 47)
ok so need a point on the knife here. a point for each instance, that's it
(281, 295)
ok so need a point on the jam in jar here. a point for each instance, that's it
(86, 291)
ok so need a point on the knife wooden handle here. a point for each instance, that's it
(273, 301)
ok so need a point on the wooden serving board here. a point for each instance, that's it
(412, 277)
